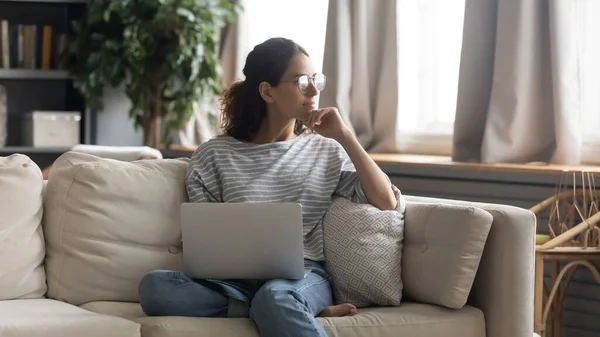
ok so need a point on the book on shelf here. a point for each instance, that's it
(29, 46)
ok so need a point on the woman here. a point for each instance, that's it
(266, 155)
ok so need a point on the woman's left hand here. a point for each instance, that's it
(327, 122)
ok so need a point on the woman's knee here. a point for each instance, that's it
(151, 289)
(155, 281)
(171, 293)
(284, 297)
(273, 297)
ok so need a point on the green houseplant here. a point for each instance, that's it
(163, 52)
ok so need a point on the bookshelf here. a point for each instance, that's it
(34, 150)
(33, 74)
(33, 77)
(49, 1)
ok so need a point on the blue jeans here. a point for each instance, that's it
(279, 308)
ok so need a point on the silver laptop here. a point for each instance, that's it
(242, 240)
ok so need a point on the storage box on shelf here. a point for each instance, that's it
(32, 36)
(51, 129)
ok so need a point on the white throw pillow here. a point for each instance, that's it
(108, 223)
(21, 238)
(363, 250)
(443, 245)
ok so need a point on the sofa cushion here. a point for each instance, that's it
(409, 319)
(21, 237)
(50, 318)
(108, 223)
(363, 251)
(443, 245)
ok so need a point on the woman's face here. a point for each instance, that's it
(287, 98)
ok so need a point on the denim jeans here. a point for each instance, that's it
(279, 308)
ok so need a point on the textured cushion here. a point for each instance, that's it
(108, 223)
(49, 318)
(443, 245)
(21, 238)
(409, 319)
(363, 250)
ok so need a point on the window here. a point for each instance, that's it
(303, 21)
(589, 53)
(429, 48)
(430, 37)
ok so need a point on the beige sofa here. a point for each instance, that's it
(73, 250)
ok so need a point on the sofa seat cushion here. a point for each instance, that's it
(409, 319)
(50, 318)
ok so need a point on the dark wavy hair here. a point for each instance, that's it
(242, 107)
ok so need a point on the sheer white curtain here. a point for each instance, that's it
(588, 29)
(429, 49)
(303, 21)
(394, 70)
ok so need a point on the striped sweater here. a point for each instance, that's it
(309, 169)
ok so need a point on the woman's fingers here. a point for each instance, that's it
(320, 116)
(315, 118)
(311, 118)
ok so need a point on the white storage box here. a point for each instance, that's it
(51, 129)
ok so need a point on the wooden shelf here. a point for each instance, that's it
(33, 74)
(425, 161)
(50, 1)
(30, 149)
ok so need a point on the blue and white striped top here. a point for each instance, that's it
(309, 169)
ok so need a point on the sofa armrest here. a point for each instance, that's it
(504, 284)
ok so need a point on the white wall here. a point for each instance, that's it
(114, 127)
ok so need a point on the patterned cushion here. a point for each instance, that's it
(363, 249)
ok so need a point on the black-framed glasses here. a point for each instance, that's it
(319, 80)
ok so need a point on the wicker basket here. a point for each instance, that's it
(573, 212)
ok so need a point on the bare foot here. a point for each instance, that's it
(339, 310)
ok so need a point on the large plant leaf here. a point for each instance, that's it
(164, 52)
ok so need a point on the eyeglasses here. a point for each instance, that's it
(319, 80)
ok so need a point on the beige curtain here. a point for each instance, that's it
(518, 95)
(360, 62)
(205, 123)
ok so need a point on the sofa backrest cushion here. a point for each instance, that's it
(21, 238)
(443, 245)
(108, 223)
